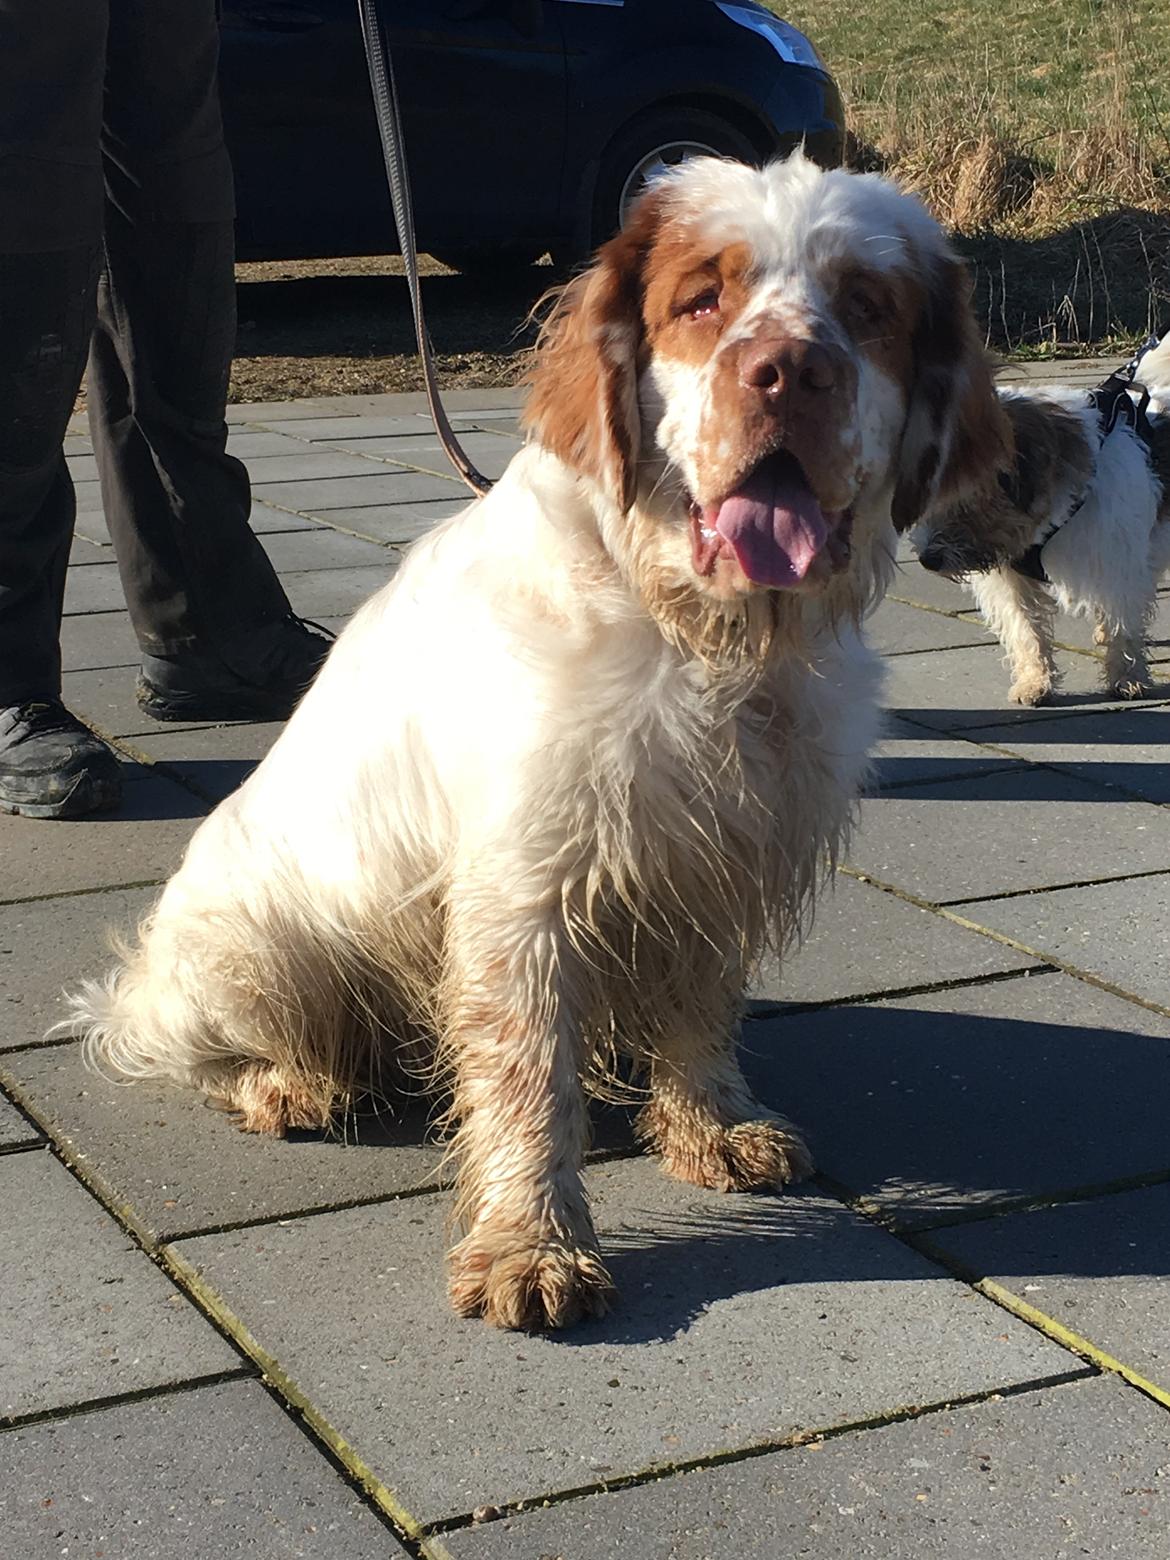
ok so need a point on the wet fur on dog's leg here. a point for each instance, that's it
(707, 1125)
(1021, 613)
(1123, 634)
(529, 1257)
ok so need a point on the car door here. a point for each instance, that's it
(483, 99)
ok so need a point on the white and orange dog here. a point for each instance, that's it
(562, 781)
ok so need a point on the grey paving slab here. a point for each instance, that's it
(1159, 634)
(944, 1103)
(489, 451)
(93, 528)
(740, 1319)
(914, 583)
(82, 465)
(898, 629)
(952, 840)
(265, 520)
(910, 754)
(91, 524)
(386, 486)
(215, 760)
(84, 552)
(142, 842)
(15, 1131)
(500, 416)
(1101, 1268)
(1118, 932)
(88, 497)
(104, 696)
(97, 589)
(954, 689)
(1075, 1470)
(323, 548)
(399, 523)
(170, 1164)
(324, 593)
(249, 444)
(105, 639)
(48, 945)
(1129, 748)
(341, 429)
(864, 942)
(306, 463)
(271, 414)
(218, 1471)
(86, 1314)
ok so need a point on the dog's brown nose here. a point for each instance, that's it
(783, 368)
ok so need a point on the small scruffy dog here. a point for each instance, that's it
(1079, 519)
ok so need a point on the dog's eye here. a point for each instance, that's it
(705, 303)
(863, 307)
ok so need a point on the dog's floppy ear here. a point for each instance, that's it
(583, 404)
(957, 436)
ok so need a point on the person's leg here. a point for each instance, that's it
(50, 216)
(214, 624)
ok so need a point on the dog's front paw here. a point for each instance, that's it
(750, 1156)
(522, 1281)
(1030, 690)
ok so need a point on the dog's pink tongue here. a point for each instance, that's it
(774, 524)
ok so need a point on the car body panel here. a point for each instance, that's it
(508, 107)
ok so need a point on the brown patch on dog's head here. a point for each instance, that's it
(956, 430)
(583, 404)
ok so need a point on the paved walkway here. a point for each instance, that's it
(955, 1342)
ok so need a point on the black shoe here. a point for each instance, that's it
(286, 658)
(51, 766)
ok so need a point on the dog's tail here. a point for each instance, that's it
(115, 1015)
(1153, 372)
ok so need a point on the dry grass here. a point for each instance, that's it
(1039, 134)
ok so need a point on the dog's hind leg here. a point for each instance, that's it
(704, 1120)
(529, 1257)
(1021, 613)
(1126, 671)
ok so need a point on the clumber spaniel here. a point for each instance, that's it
(1079, 519)
(563, 779)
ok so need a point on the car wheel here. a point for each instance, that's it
(489, 262)
(651, 144)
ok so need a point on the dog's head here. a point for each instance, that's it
(764, 365)
(1048, 468)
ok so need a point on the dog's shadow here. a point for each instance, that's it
(672, 1269)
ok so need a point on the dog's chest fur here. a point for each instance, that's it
(712, 823)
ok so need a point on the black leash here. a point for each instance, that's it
(394, 156)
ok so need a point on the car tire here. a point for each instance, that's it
(668, 135)
(494, 262)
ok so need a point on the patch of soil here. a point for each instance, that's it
(339, 327)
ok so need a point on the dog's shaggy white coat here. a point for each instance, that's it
(562, 781)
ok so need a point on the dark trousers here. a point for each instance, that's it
(116, 241)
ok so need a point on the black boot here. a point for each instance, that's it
(51, 766)
(284, 660)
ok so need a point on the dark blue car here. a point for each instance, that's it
(529, 124)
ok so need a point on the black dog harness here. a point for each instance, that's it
(1114, 403)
